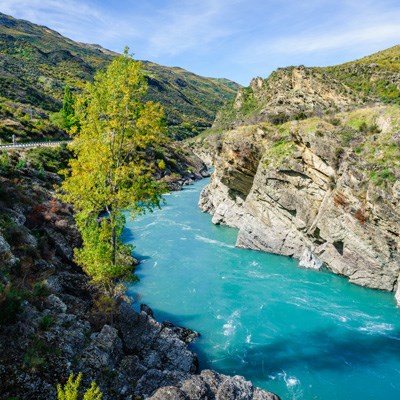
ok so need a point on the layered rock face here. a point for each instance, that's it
(323, 190)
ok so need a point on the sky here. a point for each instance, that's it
(234, 39)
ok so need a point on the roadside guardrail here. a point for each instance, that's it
(33, 144)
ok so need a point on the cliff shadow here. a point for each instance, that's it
(319, 350)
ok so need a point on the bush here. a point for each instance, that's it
(346, 137)
(34, 357)
(21, 164)
(335, 121)
(4, 162)
(70, 391)
(46, 322)
(161, 165)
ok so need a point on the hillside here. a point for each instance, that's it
(295, 93)
(37, 62)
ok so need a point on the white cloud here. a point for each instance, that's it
(335, 40)
(225, 37)
(178, 26)
(59, 14)
(78, 20)
(188, 25)
(358, 27)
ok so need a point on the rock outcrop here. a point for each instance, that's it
(323, 190)
(210, 385)
(299, 92)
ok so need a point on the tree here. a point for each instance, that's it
(66, 118)
(67, 112)
(110, 174)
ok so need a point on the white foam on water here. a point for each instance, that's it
(292, 382)
(189, 228)
(258, 275)
(374, 327)
(363, 315)
(335, 316)
(229, 329)
(248, 339)
(231, 324)
(254, 264)
(215, 242)
(301, 300)
(150, 225)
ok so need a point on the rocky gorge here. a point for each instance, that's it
(54, 322)
(323, 189)
(307, 165)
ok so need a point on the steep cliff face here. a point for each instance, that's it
(323, 190)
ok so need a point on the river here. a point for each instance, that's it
(300, 333)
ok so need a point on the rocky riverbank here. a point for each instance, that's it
(53, 322)
(323, 190)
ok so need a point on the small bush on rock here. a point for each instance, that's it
(70, 391)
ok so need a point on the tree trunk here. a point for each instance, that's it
(114, 245)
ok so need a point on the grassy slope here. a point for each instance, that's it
(372, 79)
(36, 63)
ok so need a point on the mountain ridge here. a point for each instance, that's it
(298, 92)
(36, 62)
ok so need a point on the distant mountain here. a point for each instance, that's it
(37, 62)
(300, 92)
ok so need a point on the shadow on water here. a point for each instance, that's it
(177, 319)
(140, 258)
(322, 350)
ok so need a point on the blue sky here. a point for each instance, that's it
(235, 39)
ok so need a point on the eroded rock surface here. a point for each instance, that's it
(322, 192)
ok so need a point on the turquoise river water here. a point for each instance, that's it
(300, 333)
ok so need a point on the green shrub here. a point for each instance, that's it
(335, 121)
(4, 162)
(70, 391)
(161, 165)
(346, 137)
(21, 164)
(35, 356)
(46, 322)
(363, 127)
(40, 290)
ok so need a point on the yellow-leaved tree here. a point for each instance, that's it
(110, 174)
